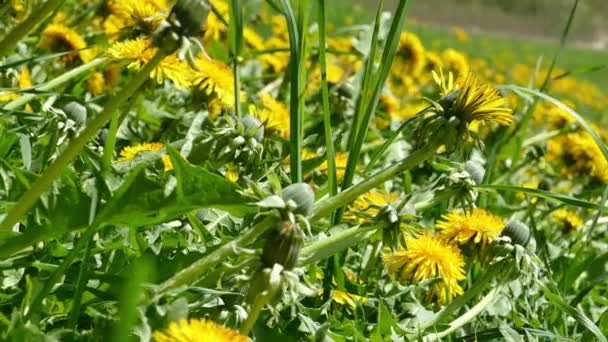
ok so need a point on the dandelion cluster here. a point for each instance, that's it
(169, 170)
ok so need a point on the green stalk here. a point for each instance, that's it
(523, 127)
(81, 282)
(387, 60)
(466, 317)
(54, 277)
(110, 143)
(329, 144)
(254, 313)
(368, 76)
(303, 15)
(295, 128)
(193, 272)
(18, 32)
(54, 170)
(480, 284)
(324, 248)
(236, 37)
(52, 84)
(326, 206)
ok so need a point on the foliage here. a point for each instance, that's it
(232, 170)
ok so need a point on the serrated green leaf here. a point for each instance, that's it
(142, 200)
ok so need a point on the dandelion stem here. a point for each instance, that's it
(193, 272)
(256, 309)
(18, 32)
(54, 170)
(324, 248)
(466, 317)
(329, 144)
(326, 206)
(50, 85)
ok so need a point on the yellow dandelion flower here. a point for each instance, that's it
(140, 51)
(569, 220)
(557, 117)
(96, 84)
(341, 161)
(130, 152)
(456, 62)
(345, 298)
(125, 15)
(410, 55)
(579, 154)
(276, 61)
(474, 100)
(460, 34)
(214, 27)
(60, 38)
(274, 115)
(232, 173)
(427, 257)
(198, 330)
(216, 80)
(433, 61)
(369, 204)
(479, 226)
(252, 39)
(24, 81)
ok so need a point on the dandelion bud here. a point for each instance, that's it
(253, 127)
(283, 246)
(76, 112)
(302, 196)
(518, 232)
(475, 170)
(189, 16)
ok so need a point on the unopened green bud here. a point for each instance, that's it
(189, 16)
(302, 196)
(253, 127)
(518, 232)
(475, 170)
(283, 246)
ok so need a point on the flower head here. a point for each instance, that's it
(569, 220)
(342, 298)
(144, 15)
(426, 257)
(473, 100)
(456, 62)
(410, 55)
(274, 115)
(478, 226)
(60, 38)
(198, 330)
(579, 153)
(130, 152)
(215, 27)
(369, 204)
(141, 51)
(216, 80)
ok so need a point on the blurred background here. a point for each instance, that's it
(538, 19)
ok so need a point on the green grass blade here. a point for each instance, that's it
(567, 109)
(329, 144)
(236, 46)
(8, 43)
(391, 140)
(385, 66)
(567, 200)
(574, 313)
(368, 76)
(303, 18)
(295, 142)
(523, 126)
